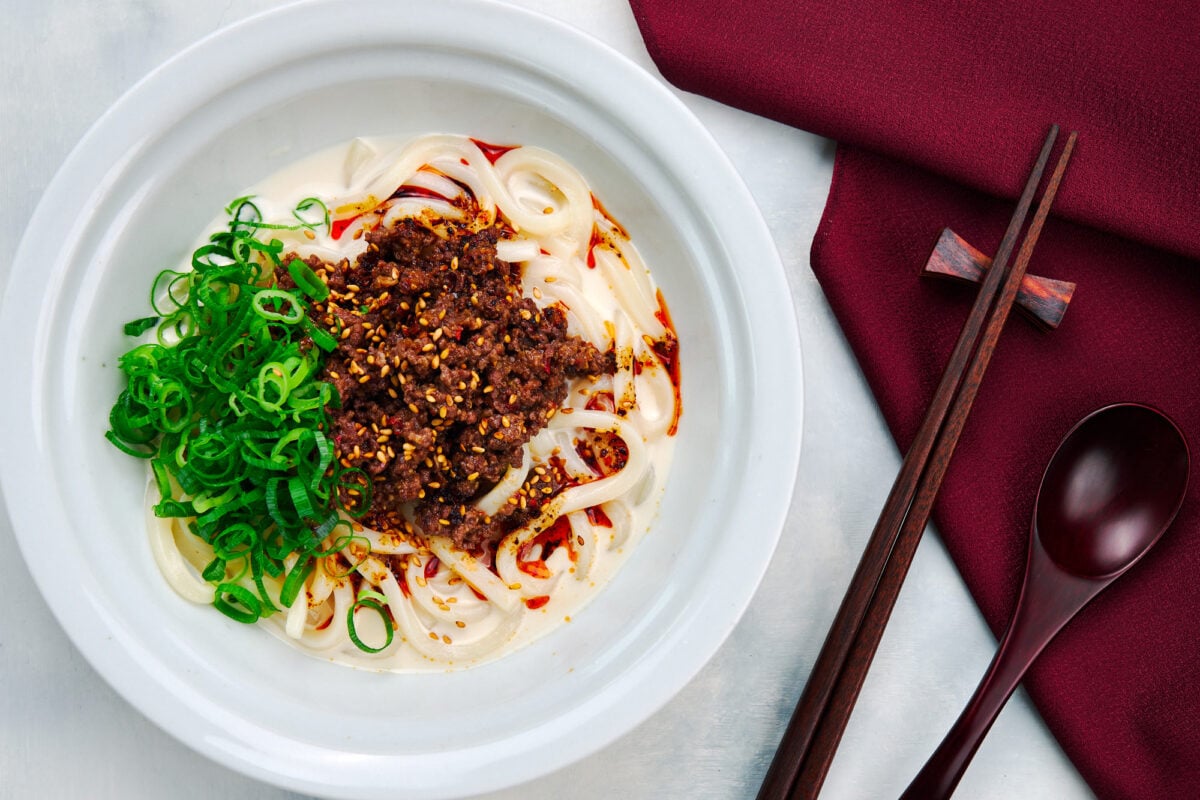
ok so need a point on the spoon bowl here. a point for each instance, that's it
(1112, 488)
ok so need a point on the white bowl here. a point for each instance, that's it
(234, 108)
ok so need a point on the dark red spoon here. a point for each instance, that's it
(1111, 489)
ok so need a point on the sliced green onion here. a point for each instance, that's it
(294, 581)
(127, 449)
(139, 326)
(293, 312)
(379, 609)
(307, 280)
(321, 337)
(343, 543)
(250, 608)
(308, 204)
(214, 571)
(362, 484)
(227, 407)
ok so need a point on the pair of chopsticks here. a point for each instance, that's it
(816, 726)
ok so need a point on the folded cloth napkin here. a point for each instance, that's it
(939, 110)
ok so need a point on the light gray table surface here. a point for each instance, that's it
(65, 734)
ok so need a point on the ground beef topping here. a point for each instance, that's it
(445, 371)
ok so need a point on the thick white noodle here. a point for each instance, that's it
(515, 476)
(640, 307)
(297, 612)
(385, 543)
(517, 250)
(475, 574)
(468, 610)
(541, 194)
(577, 498)
(582, 318)
(542, 270)
(655, 407)
(417, 635)
(621, 516)
(321, 585)
(181, 575)
(584, 534)
(404, 207)
(335, 634)
(624, 386)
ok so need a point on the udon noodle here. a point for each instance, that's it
(450, 607)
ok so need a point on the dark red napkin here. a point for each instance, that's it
(939, 111)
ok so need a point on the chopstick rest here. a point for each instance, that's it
(1044, 301)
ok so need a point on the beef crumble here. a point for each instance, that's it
(445, 371)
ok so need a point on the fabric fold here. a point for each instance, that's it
(962, 88)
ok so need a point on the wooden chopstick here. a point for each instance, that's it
(862, 651)
(816, 725)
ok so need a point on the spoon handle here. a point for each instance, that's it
(1049, 600)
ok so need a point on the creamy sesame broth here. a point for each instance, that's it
(507, 379)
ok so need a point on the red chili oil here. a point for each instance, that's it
(667, 350)
(338, 227)
(598, 518)
(492, 152)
